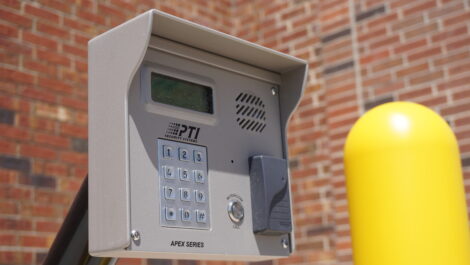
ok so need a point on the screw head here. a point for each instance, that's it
(285, 243)
(273, 91)
(135, 235)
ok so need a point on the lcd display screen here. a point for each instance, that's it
(181, 93)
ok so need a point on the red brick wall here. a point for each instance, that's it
(361, 53)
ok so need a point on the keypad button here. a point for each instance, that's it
(201, 216)
(170, 214)
(199, 176)
(185, 215)
(184, 174)
(170, 193)
(168, 152)
(200, 196)
(199, 157)
(185, 194)
(169, 172)
(184, 154)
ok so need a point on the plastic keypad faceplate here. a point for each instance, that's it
(184, 186)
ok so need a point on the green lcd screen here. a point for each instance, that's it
(181, 93)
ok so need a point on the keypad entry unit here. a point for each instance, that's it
(184, 187)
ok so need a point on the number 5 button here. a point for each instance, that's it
(184, 174)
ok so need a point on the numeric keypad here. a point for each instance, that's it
(184, 185)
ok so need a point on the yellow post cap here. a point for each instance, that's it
(405, 189)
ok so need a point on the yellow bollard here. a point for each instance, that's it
(405, 190)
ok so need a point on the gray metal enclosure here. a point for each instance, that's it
(172, 173)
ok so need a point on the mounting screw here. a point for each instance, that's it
(135, 235)
(285, 243)
(273, 91)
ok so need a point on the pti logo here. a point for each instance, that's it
(179, 131)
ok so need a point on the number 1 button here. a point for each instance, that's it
(167, 152)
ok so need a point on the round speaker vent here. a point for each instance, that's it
(250, 112)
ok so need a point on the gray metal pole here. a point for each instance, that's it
(70, 246)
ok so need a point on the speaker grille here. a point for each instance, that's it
(250, 112)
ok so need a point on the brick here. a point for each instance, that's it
(411, 70)
(371, 34)
(88, 16)
(293, 13)
(38, 152)
(387, 64)
(41, 13)
(12, 3)
(415, 93)
(74, 158)
(409, 46)
(40, 95)
(51, 140)
(370, 13)
(75, 51)
(338, 67)
(446, 10)
(463, 43)
(8, 31)
(424, 54)
(19, 194)
(111, 11)
(33, 241)
(422, 30)
(424, 6)
(426, 78)
(14, 163)
(40, 40)
(52, 30)
(16, 19)
(388, 41)
(465, 162)
(461, 94)
(14, 132)
(56, 85)
(80, 145)
(15, 224)
(7, 116)
(451, 58)
(449, 34)
(407, 22)
(38, 180)
(455, 19)
(459, 69)
(74, 130)
(47, 226)
(374, 56)
(8, 208)
(83, 27)
(454, 83)
(456, 108)
(376, 102)
(382, 21)
(336, 35)
(15, 76)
